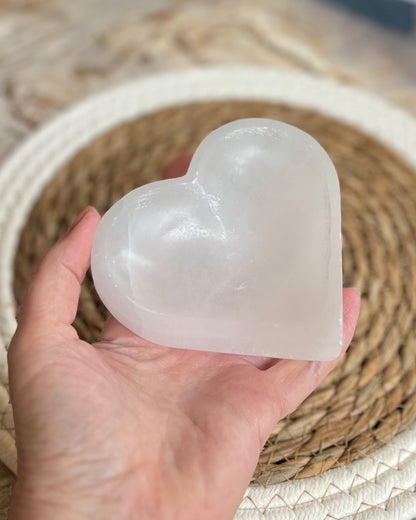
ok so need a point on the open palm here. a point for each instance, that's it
(124, 428)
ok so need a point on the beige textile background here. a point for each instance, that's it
(55, 52)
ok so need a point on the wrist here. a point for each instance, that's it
(49, 498)
(47, 508)
(135, 495)
(50, 502)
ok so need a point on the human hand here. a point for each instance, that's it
(124, 428)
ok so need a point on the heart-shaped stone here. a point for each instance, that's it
(241, 255)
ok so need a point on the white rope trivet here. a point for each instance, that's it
(380, 486)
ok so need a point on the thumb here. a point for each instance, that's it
(51, 299)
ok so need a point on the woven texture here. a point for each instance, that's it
(371, 396)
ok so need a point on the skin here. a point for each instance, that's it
(127, 429)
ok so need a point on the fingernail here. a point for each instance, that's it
(79, 218)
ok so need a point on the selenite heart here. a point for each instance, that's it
(241, 255)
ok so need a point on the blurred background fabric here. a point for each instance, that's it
(55, 52)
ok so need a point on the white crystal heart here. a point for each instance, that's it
(241, 255)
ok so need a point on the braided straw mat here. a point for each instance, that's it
(349, 451)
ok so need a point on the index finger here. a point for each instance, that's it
(291, 381)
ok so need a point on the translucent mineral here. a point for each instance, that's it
(241, 255)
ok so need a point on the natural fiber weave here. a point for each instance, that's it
(371, 396)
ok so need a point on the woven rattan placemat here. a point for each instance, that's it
(371, 396)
